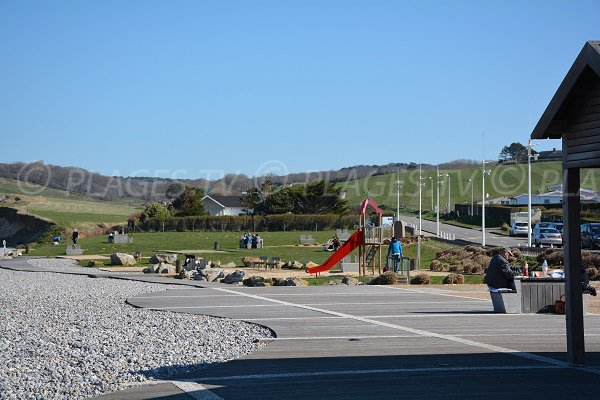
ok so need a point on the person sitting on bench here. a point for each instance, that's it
(500, 274)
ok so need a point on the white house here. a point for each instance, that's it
(222, 205)
(554, 196)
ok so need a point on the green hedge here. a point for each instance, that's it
(262, 223)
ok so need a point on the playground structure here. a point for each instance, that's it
(370, 237)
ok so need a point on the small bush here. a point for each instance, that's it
(454, 268)
(454, 279)
(436, 266)
(593, 274)
(477, 270)
(504, 227)
(482, 261)
(421, 279)
(387, 278)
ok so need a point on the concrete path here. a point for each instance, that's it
(358, 342)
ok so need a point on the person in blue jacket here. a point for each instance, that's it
(395, 250)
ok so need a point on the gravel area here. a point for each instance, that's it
(68, 336)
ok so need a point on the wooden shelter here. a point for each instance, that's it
(573, 115)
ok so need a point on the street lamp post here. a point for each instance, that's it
(448, 205)
(529, 144)
(437, 210)
(484, 171)
(449, 201)
(420, 199)
(431, 179)
(472, 184)
(398, 198)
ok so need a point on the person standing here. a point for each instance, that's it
(75, 236)
(395, 250)
(500, 274)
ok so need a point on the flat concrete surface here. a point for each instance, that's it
(357, 342)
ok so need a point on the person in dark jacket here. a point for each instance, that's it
(500, 274)
(75, 236)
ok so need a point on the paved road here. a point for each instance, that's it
(471, 235)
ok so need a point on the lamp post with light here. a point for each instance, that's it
(484, 172)
(472, 184)
(535, 157)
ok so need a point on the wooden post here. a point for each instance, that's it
(380, 259)
(572, 258)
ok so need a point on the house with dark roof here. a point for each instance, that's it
(550, 155)
(222, 205)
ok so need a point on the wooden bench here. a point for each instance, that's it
(274, 262)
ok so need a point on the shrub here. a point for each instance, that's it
(593, 273)
(475, 249)
(504, 227)
(453, 268)
(436, 266)
(477, 270)
(421, 279)
(482, 261)
(454, 279)
(387, 278)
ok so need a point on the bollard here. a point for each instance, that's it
(178, 267)
(27, 249)
(216, 246)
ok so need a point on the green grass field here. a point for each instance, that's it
(280, 244)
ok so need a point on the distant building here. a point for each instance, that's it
(222, 205)
(554, 196)
(550, 155)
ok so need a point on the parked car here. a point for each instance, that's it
(519, 228)
(538, 226)
(590, 235)
(547, 237)
(557, 225)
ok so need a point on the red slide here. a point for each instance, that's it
(353, 242)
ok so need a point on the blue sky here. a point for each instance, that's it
(189, 89)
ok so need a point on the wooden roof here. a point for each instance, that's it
(582, 82)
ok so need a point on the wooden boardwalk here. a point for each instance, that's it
(362, 342)
(368, 342)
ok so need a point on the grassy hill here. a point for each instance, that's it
(63, 208)
(504, 180)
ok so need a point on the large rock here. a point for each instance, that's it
(210, 274)
(229, 265)
(122, 259)
(290, 282)
(163, 258)
(164, 268)
(348, 280)
(294, 265)
(254, 281)
(234, 277)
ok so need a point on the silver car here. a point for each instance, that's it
(548, 237)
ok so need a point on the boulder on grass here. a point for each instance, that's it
(163, 258)
(348, 280)
(122, 259)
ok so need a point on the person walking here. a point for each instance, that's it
(75, 236)
(395, 250)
